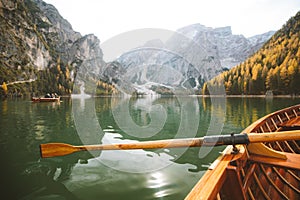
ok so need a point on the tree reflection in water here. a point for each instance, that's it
(44, 178)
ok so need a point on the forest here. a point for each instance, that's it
(56, 79)
(274, 68)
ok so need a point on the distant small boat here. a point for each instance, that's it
(45, 99)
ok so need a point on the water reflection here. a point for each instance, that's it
(86, 122)
(170, 181)
(132, 161)
(4, 107)
(159, 181)
(44, 179)
(24, 125)
(141, 118)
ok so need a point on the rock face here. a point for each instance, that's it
(190, 57)
(221, 44)
(86, 56)
(57, 30)
(258, 41)
(35, 39)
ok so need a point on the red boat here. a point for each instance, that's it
(45, 99)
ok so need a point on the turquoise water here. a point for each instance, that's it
(135, 174)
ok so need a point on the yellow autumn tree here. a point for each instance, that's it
(58, 65)
(67, 73)
(4, 87)
(284, 77)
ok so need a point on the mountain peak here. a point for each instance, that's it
(223, 31)
(224, 46)
(191, 30)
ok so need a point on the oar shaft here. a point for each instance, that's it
(216, 140)
(172, 143)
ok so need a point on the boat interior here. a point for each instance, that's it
(259, 170)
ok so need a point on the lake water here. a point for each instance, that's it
(135, 174)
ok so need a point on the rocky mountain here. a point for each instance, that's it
(221, 44)
(40, 48)
(258, 41)
(193, 55)
(261, 39)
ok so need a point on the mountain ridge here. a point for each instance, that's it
(193, 55)
(41, 53)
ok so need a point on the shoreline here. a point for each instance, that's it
(203, 96)
(252, 96)
(166, 96)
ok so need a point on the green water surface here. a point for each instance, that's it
(135, 174)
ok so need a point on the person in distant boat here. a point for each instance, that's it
(55, 95)
(47, 95)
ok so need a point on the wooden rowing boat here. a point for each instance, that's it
(45, 99)
(257, 171)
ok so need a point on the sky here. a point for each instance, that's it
(109, 18)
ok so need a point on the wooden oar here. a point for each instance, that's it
(61, 149)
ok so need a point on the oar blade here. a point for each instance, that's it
(56, 149)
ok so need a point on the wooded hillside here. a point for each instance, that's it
(275, 67)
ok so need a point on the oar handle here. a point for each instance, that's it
(274, 136)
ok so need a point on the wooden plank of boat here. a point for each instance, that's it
(292, 124)
(259, 171)
(292, 161)
(216, 176)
